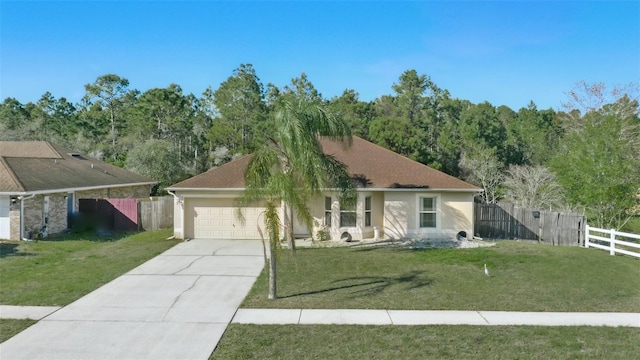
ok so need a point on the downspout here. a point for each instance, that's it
(22, 199)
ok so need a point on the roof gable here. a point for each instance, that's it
(371, 165)
(28, 149)
(38, 166)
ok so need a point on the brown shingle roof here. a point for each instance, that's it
(227, 176)
(372, 165)
(32, 166)
(383, 168)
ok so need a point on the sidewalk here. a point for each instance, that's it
(431, 317)
(388, 317)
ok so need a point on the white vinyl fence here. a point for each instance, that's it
(611, 237)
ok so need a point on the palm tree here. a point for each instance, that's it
(290, 169)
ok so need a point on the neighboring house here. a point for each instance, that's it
(41, 185)
(397, 198)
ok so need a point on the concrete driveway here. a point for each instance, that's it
(175, 306)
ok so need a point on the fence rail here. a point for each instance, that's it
(611, 237)
(506, 221)
(126, 214)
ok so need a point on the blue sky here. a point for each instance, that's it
(505, 52)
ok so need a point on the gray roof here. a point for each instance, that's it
(39, 166)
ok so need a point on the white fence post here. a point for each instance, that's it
(586, 236)
(612, 251)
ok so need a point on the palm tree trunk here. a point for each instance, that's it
(273, 228)
(272, 270)
(288, 228)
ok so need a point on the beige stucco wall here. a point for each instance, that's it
(395, 212)
(317, 212)
(183, 221)
(178, 217)
(398, 207)
(360, 231)
(454, 214)
(316, 209)
(457, 212)
(377, 211)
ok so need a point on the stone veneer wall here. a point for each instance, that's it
(34, 216)
(57, 213)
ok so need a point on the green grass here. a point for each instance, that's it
(633, 226)
(10, 327)
(58, 271)
(426, 342)
(523, 277)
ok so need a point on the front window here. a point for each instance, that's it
(327, 211)
(347, 215)
(367, 211)
(428, 212)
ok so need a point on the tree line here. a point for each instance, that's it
(584, 158)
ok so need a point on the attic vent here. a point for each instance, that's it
(77, 156)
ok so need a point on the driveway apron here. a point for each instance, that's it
(175, 306)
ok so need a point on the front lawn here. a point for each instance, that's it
(523, 277)
(59, 271)
(426, 342)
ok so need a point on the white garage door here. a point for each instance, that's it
(216, 219)
(4, 217)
